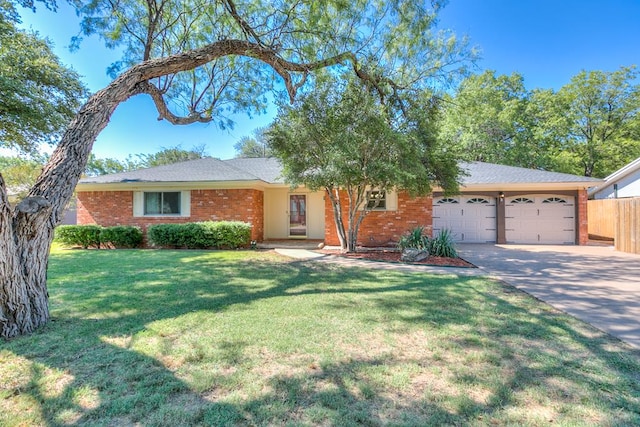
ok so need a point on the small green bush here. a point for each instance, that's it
(165, 235)
(414, 239)
(443, 245)
(79, 235)
(201, 235)
(121, 236)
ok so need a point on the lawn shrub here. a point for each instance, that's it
(165, 235)
(414, 239)
(201, 235)
(79, 235)
(121, 236)
(232, 234)
(442, 245)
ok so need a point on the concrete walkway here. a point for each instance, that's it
(593, 283)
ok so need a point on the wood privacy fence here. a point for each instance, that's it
(618, 219)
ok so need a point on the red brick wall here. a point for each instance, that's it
(383, 228)
(583, 232)
(108, 208)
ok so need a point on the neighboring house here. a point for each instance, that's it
(623, 183)
(497, 203)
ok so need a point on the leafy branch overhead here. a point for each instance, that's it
(217, 44)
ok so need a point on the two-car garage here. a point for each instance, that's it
(519, 218)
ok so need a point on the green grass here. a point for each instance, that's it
(249, 338)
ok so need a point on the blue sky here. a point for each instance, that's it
(547, 41)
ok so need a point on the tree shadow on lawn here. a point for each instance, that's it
(83, 368)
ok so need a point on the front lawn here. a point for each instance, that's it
(183, 338)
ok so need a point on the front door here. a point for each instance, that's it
(297, 215)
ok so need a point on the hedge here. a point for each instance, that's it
(121, 236)
(95, 236)
(201, 235)
(79, 235)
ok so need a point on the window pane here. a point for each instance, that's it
(152, 203)
(376, 200)
(171, 203)
(156, 203)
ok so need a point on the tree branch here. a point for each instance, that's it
(163, 108)
(192, 59)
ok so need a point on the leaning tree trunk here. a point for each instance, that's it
(26, 231)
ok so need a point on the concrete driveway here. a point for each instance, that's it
(593, 283)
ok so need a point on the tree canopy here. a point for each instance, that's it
(588, 127)
(38, 95)
(342, 139)
(596, 117)
(256, 145)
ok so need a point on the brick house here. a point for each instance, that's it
(498, 204)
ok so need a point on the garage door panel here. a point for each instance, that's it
(545, 219)
(471, 219)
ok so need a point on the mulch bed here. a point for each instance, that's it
(389, 255)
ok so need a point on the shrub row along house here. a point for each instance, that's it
(498, 204)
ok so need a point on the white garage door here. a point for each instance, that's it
(546, 219)
(472, 219)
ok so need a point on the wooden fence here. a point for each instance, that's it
(617, 219)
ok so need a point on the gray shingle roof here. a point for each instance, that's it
(269, 170)
(490, 173)
(206, 169)
(266, 169)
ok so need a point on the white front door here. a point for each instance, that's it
(297, 215)
(471, 219)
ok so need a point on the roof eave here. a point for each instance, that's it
(171, 185)
(526, 186)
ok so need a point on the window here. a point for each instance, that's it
(478, 200)
(377, 200)
(447, 201)
(162, 203)
(521, 200)
(554, 200)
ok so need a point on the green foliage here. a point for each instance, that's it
(39, 95)
(589, 127)
(19, 174)
(121, 236)
(254, 146)
(492, 119)
(396, 40)
(96, 166)
(201, 235)
(95, 236)
(596, 118)
(79, 235)
(443, 245)
(414, 239)
(343, 137)
(170, 155)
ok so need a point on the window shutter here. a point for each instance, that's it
(138, 203)
(185, 201)
(392, 200)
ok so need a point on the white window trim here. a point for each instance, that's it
(185, 204)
